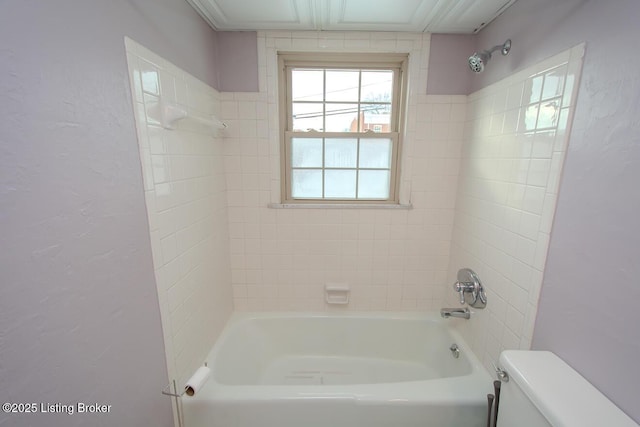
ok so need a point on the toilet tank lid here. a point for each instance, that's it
(560, 393)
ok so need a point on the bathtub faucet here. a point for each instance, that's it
(462, 313)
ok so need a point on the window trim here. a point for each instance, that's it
(386, 61)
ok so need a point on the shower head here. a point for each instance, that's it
(477, 61)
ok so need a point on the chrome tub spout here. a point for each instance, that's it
(462, 313)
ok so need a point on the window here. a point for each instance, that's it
(340, 121)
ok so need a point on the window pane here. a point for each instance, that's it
(340, 153)
(342, 85)
(306, 152)
(340, 184)
(340, 126)
(376, 118)
(375, 153)
(377, 86)
(306, 85)
(341, 118)
(373, 184)
(306, 183)
(307, 116)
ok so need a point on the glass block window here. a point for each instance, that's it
(341, 132)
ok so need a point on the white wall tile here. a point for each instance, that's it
(190, 259)
(506, 200)
(365, 248)
(480, 172)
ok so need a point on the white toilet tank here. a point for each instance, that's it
(544, 391)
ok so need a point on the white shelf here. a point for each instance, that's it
(171, 113)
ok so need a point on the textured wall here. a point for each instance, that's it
(588, 308)
(78, 305)
(238, 51)
(449, 72)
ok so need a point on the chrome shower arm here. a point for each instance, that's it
(478, 60)
(504, 48)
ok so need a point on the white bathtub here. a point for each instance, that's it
(340, 370)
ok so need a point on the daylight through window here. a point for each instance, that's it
(341, 138)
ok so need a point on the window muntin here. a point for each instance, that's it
(341, 168)
(341, 141)
(340, 100)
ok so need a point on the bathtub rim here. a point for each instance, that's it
(464, 388)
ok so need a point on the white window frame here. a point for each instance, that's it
(383, 61)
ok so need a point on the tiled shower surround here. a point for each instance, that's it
(183, 173)
(515, 142)
(481, 174)
(507, 144)
(393, 259)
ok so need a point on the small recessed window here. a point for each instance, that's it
(340, 119)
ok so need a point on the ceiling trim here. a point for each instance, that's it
(439, 16)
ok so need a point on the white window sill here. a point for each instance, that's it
(338, 206)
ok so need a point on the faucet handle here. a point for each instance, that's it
(469, 283)
(460, 288)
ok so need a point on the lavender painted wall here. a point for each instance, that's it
(448, 66)
(588, 308)
(79, 316)
(238, 52)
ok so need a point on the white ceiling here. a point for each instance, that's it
(436, 16)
